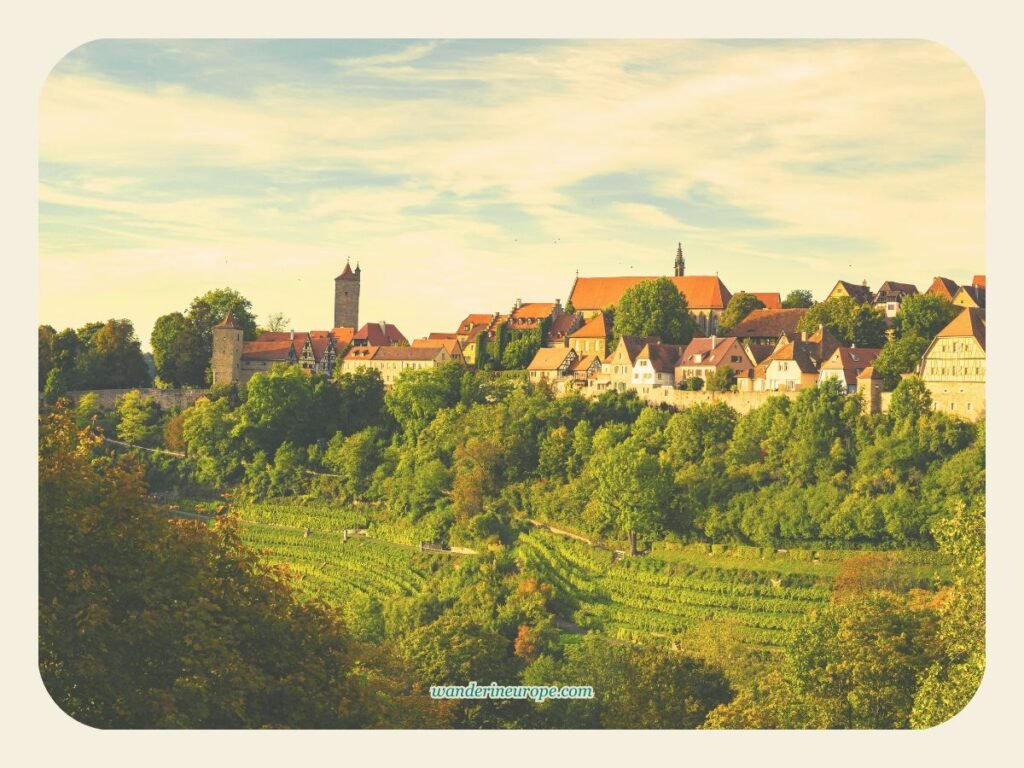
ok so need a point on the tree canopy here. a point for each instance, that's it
(849, 321)
(740, 305)
(654, 308)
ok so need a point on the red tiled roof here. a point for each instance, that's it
(712, 356)
(407, 353)
(342, 337)
(471, 320)
(590, 293)
(943, 286)
(532, 311)
(852, 361)
(437, 335)
(978, 281)
(768, 323)
(376, 336)
(970, 322)
(562, 326)
(268, 350)
(451, 345)
(663, 357)
(595, 328)
(346, 273)
(770, 300)
(796, 351)
(869, 373)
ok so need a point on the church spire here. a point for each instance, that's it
(680, 261)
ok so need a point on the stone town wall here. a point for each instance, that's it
(167, 399)
(741, 402)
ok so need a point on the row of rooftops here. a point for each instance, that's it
(892, 291)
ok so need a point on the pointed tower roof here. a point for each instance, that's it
(347, 273)
(229, 322)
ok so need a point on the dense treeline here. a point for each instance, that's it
(96, 356)
(462, 455)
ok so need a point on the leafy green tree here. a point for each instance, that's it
(798, 299)
(277, 409)
(138, 419)
(213, 450)
(740, 305)
(150, 623)
(46, 336)
(654, 308)
(722, 380)
(899, 356)
(910, 400)
(520, 352)
(953, 679)
(692, 384)
(849, 321)
(418, 395)
(355, 458)
(113, 358)
(924, 315)
(634, 487)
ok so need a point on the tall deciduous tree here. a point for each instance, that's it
(798, 299)
(740, 305)
(635, 487)
(654, 308)
(849, 321)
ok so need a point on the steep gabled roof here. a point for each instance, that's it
(562, 326)
(701, 351)
(595, 328)
(342, 336)
(943, 286)
(797, 352)
(470, 321)
(634, 345)
(768, 323)
(550, 358)
(822, 343)
(969, 323)
(663, 357)
(770, 300)
(532, 311)
(452, 346)
(975, 292)
(851, 361)
(590, 293)
(380, 335)
(860, 293)
(759, 352)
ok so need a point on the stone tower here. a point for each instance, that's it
(680, 261)
(227, 351)
(346, 298)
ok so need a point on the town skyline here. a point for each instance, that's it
(464, 174)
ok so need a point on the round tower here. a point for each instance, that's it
(346, 297)
(226, 362)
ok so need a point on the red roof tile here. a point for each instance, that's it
(768, 324)
(377, 336)
(590, 293)
(595, 328)
(770, 300)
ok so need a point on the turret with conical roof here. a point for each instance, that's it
(346, 297)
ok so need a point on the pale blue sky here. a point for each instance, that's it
(464, 174)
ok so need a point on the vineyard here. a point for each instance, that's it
(764, 593)
(664, 596)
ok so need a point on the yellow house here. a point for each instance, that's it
(393, 361)
(953, 366)
(592, 338)
(617, 368)
(860, 293)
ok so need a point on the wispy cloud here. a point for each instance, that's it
(497, 169)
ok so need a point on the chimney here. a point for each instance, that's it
(292, 335)
(558, 307)
(519, 303)
(383, 327)
(803, 335)
(714, 342)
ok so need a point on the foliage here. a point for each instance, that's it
(910, 400)
(138, 419)
(797, 299)
(740, 305)
(96, 356)
(654, 308)
(722, 380)
(145, 623)
(924, 315)
(520, 351)
(849, 321)
(899, 356)
(692, 384)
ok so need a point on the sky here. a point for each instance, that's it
(465, 174)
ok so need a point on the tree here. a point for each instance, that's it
(899, 356)
(740, 305)
(151, 623)
(138, 418)
(692, 384)
(924, 315)
(722, 380)
(46, 336)
(277, 321)
(520, 352)
(114, 358)
(798, 299)
(910, 400)
(634, 487)
(849, 321)
(950, 683)
(654, 308)
(212, 448)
